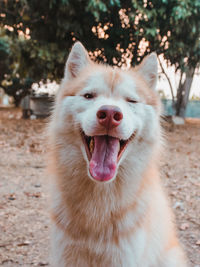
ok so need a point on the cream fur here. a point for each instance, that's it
(125, 222)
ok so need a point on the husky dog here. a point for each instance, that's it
(108, 206)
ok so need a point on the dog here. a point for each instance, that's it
(108, 206)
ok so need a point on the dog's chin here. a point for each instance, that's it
(101, 181)
(103, 154)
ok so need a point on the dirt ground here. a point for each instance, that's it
(24, 218)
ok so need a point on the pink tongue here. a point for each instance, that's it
(103, 163)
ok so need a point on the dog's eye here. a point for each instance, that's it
(88, 96)
(131, 100)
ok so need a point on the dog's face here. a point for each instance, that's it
(107, 112)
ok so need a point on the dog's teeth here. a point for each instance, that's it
(91, 146)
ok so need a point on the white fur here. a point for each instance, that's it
(77, 60)
(75, 113)
(149, 69)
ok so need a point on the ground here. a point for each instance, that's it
(25, 223)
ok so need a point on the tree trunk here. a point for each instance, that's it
(183, 93)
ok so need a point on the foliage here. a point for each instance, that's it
(11, 68)
(112, 30)
(4, 53)
(17, 88)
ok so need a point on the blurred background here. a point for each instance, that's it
(35, 40)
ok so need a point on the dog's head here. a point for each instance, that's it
(108, 114)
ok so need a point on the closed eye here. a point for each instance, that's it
(130, 100)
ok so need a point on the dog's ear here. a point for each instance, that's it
(77, 60)
(149, 70)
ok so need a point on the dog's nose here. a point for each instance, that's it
(109, 116)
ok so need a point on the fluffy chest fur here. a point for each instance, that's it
(108, 207)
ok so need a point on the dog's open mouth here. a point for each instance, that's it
(104, 153)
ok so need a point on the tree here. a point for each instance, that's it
(4, 53)
(183, 46)
(10, 69)
(114, 31)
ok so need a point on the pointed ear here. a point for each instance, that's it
(149, 70)
(77, 60)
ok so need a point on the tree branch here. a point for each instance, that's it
(168, 79)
